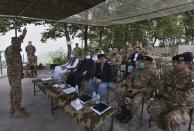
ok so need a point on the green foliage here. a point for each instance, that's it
(58, 57)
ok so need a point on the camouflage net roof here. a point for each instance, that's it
(45, 9)
(109, 12)
(113, 12)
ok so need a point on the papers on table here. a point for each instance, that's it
(76, 104)
(100, 108)
(69, 90)
(46, 79)
(59, 86)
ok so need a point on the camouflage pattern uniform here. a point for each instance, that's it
(32, 60)
(30, 50)
(115, 60)
(77, 50)
(15, 74)
(174, 101)
(141, 79)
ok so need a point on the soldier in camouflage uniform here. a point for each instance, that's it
(115, 60)
(14, 73)
(138, 86)
(32, 59)
(175, 96)
(30, 50)
(77, 50)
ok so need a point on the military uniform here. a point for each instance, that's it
(77, 50)
(30, 50)
(143, 80)
(139, 86)
(115, 60)
(15, 74)
(174, 100)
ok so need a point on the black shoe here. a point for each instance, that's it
(120, 115)
(127, 117)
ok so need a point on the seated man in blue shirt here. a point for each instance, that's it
(102, 78)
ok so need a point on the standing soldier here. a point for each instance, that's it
(30, 50)
(175, 96)
(15, 74)
(77, 50)
(139, 87)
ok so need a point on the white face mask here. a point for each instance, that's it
(88, 57)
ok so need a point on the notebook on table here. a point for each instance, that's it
(84, 98)
(100, 108)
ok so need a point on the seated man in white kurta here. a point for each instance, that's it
(61, 70)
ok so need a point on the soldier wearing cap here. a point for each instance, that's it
(175, 96)
(30, 50)
(77, 50)
(32, 59)
(15, 74)
(138, 86)
(115, 58)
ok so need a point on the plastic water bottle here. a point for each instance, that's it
(130, 68)
(76, 89)
(97, 98)
(94, 96)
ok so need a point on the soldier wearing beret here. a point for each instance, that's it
(138, 86)
(15, 74)
(175, 96)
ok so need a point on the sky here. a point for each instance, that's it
(34, 35)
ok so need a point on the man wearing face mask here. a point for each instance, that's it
(15, 74)
(137, 86)
(95, 56)
(85, 70)
(175, 97)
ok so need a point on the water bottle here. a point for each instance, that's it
(94, 96)
(76, 89)
(97, 98)
(130, 68)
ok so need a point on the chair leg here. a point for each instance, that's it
(141, 115)
(191, 119)
(107, 95)
(150, 120)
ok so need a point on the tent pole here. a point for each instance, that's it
(16, 26)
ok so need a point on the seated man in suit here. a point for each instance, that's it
(61, 70)
(102, 78)
(85, 70)
(135, 56)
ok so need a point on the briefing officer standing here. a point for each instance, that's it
(15, 74)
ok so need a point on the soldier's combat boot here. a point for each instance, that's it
(20, 114)
(121, 114)
(128, 116)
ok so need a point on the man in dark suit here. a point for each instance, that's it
(85, 70)
(103, 76)
(135, 56)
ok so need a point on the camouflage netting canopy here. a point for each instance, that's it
(45, 9)
(113, 12)
(108, 12)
